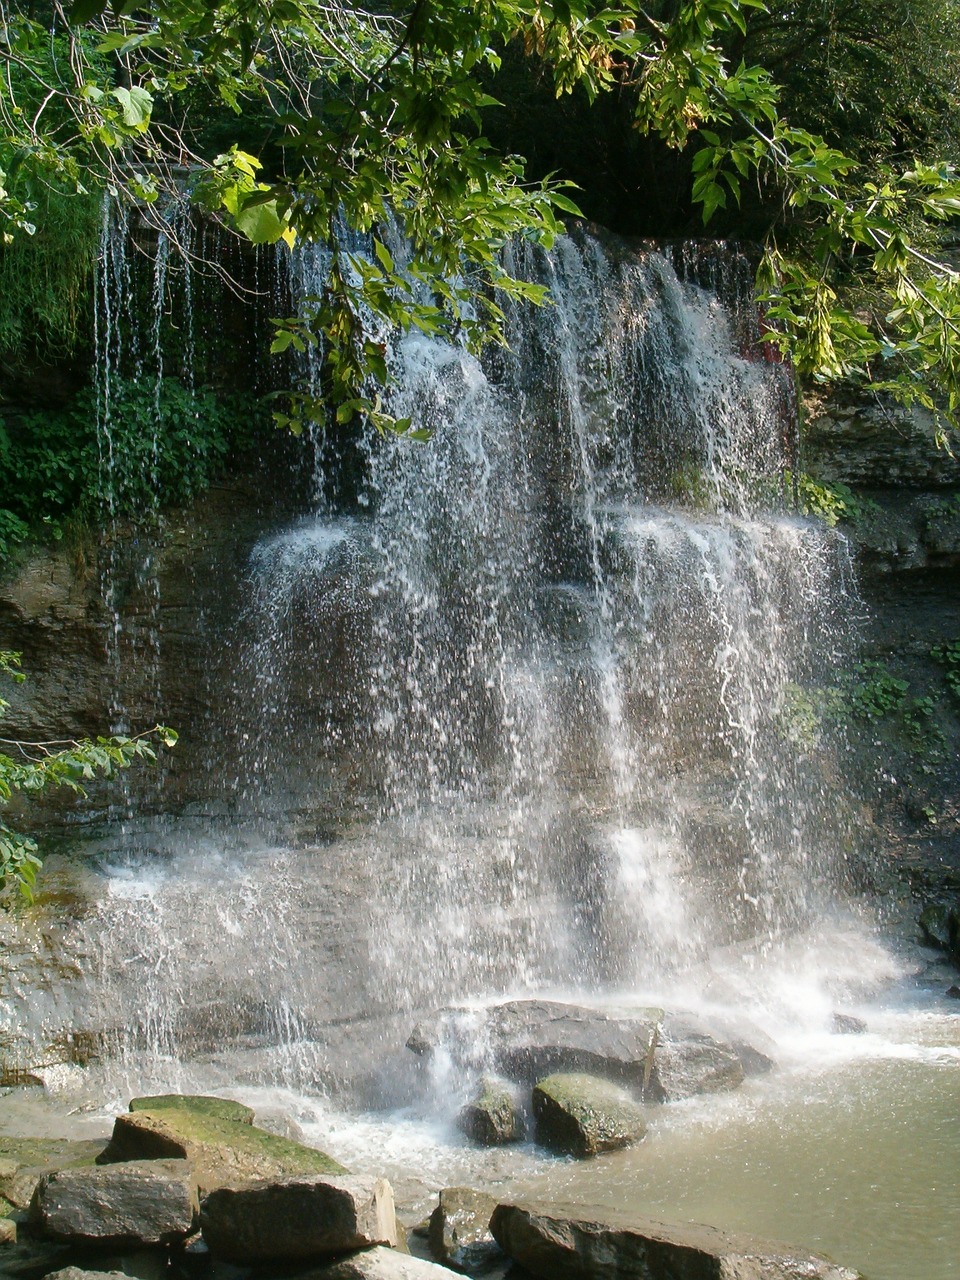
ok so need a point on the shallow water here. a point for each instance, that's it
(857, 1157)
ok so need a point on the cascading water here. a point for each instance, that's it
(553, 644)
(516, 719)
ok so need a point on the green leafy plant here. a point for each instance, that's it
(30, 767)
(865, 697)
(872, 691)
(831, 503)
(162, 446)
(948, 656)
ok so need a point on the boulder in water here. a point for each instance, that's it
(492, 1118)
(298, 1219)
(143, 1202)
(581, 1115)
(459, 1231)
(558, 1247)
(223, 1152)
(689, 1061)
(845, 1024)
(529, 1039)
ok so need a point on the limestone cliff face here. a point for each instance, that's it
(137, 630)
(907, 543)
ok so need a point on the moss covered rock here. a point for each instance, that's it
(223, 1152)
(492, 1118)
(199, 1104)
(582, 1115)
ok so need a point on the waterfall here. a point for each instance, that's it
(545, 656)
(512, 715)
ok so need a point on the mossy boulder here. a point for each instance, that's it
(199, 1104)
(582, 1115)
(492, 1118)
(223, 1152)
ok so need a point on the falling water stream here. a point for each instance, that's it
(516, 721)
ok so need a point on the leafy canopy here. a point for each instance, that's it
(363, 115)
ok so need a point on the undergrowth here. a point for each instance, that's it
(163, 446)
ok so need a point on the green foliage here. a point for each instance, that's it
(163, 446)
(871, 692)
(830, 502)
(875, 77)
(31, 767)
(368, 115)
(868, 696)
(948, 656)
(45, 279)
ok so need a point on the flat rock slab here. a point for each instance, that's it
(223, 1152)
(530, 1039)
(581, 1115)
(146, 1202)
(556, 1247)
(379, 1264)
(198, 1104)
(298, 1219)
(24, 1161)
(459, 1230)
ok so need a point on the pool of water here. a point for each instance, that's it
(853, 1152)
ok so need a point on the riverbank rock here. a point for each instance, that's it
(492, 1118)
(379, 1264)
(8, 1231)
(24, 1161)
(298, 1219)
(146, 1202)
(459, 1231)
(582, 1115)
(223, 1152)
(198, 1104)
(557, 1247)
